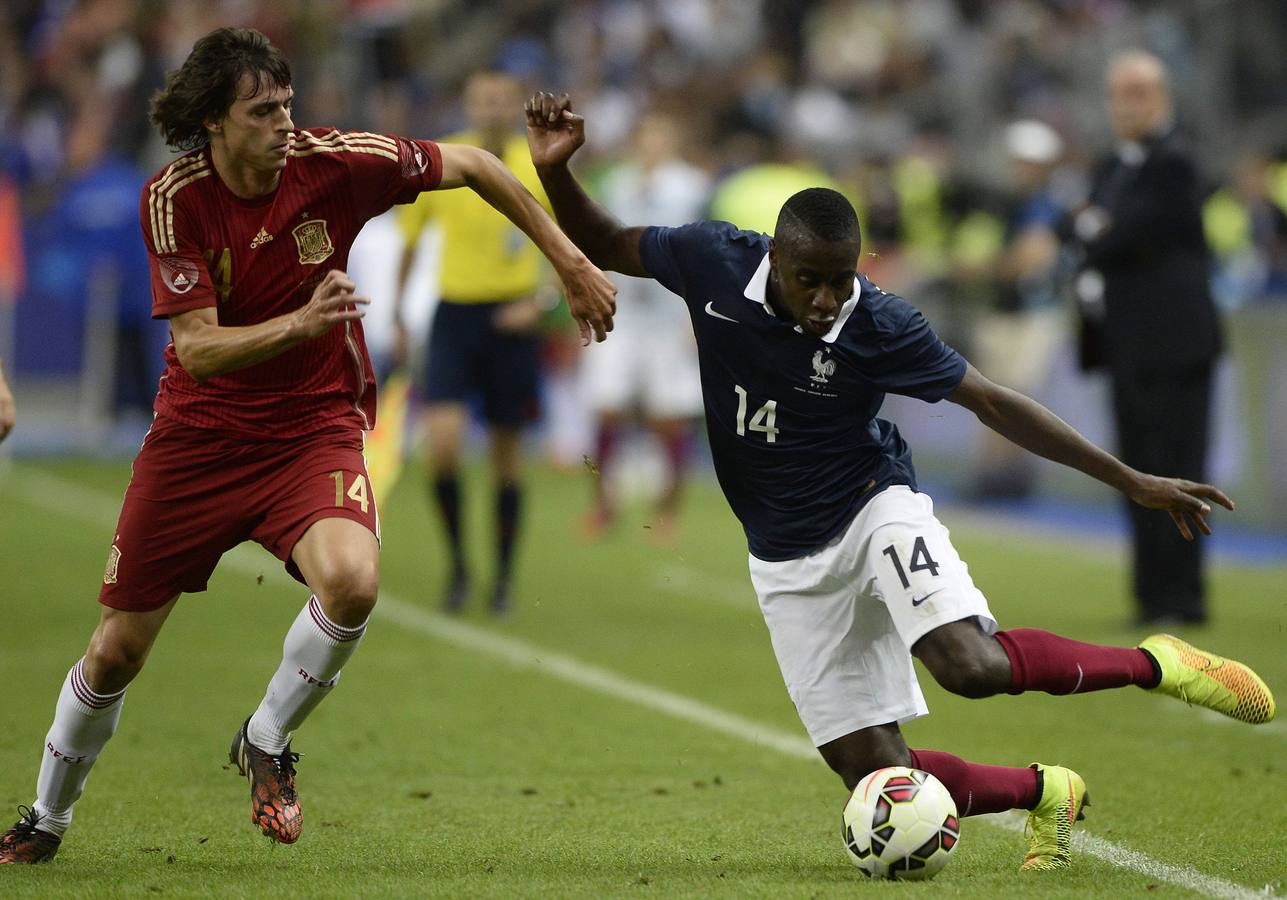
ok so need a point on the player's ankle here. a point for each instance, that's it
(55, 823)
(265, 735)
(1041, 787)
(1157, 670)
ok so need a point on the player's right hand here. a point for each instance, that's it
(333, 301)
(554, 132)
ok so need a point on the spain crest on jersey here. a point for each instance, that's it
(313, 241)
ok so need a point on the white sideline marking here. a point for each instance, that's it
(1211, 717)
(683, 580)
(68, 498)
(1126, 858)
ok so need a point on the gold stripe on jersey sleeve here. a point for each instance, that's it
(340, 148)
(349, 149)
(336, 137)
(168, 206)
(171, 172)
(175, 171)
(387, 148)
(372, 136)
(336, 142)
(157, 200)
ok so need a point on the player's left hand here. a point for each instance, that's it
(1186, 501)
(591, 300)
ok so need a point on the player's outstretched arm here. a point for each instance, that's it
(1027, 423)
(8, 411)
(590, 293)
(554, 133)
(207, 349)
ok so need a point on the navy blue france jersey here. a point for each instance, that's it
(798, 448)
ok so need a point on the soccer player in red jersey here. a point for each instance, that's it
(267, 389)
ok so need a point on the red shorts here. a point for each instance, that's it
(195, 494)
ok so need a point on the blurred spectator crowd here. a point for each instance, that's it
(905, 105)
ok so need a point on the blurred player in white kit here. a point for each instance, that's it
(651, 368)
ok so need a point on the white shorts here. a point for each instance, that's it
(649, 364)
(844, 618)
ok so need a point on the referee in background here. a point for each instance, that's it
(484, 342)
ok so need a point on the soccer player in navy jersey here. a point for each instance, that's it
(854, 573)
(260, 412)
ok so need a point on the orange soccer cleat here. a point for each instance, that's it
(274, 804)
(26, 843)
(1201, 678)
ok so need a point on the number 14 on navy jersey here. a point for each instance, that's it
(792, 418)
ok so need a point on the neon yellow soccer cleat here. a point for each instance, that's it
(1050, 824)
(1198, 677)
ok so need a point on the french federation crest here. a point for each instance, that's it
(313, 241)
(823, 369)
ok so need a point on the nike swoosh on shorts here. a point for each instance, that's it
(918, 602)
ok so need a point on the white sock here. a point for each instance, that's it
(83, 723)
(312, 656)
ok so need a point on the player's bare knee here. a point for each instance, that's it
(973, 678)
(972, 671)
(348, 593)
(112, 661)
(965, 660)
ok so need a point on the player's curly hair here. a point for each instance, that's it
(205, 86)
(819, 213)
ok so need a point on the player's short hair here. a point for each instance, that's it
(817, 213)
(204, 88)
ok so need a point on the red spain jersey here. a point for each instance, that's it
(252, 260)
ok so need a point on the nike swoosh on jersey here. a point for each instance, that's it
(710, 311)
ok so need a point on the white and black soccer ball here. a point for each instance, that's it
(900, 823)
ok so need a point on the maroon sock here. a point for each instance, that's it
(979, 789)
(1041, 661)
(605, 449)
(676, 446)
(605, 445)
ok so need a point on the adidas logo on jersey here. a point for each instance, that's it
(179, 273)
(260, 239)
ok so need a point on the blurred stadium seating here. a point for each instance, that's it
(903, 105)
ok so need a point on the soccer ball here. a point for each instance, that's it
(900, 823)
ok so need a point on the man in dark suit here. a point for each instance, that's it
(1145, 282)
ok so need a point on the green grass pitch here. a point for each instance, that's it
(466, 763)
